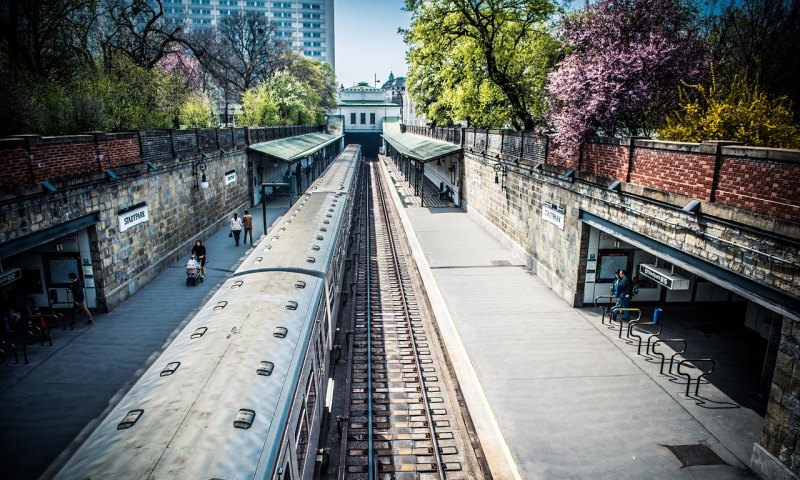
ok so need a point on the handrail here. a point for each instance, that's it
(703, 373)
(605, 308)
(665, 341)
(616, 310)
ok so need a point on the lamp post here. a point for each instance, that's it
(200, 166)
(500, 168)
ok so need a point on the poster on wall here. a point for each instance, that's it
(230, 177)
(610, 262)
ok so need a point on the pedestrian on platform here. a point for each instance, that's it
(236, 227)
(625, 291)
(79, 298)
(247, 222)
(199, 253)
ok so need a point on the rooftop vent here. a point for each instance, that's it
(244, 419)
(170, 369)
(130, 419)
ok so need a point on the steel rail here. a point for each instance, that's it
(396, 261)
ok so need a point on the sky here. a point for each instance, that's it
(367, 42)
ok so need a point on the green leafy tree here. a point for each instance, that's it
(258, 107)
(485, 61)
(196, 111)
(739, 111)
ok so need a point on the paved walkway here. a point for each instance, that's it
(47, 406)
(554, 393)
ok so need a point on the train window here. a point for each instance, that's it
(170, 368)
(292, 305)
(220, 305)
(265, 368)
(280, 332)
(311, 259)
(237, 284)
(244, 418)
(300, 284)
(199, 332)
(130, 419)
(315, 248)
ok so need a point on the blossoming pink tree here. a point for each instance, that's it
(625, 60)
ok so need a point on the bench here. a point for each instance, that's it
(693, 363)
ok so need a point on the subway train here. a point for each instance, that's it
(241, 390)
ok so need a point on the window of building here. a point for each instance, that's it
(312, 44)
(312, 25)
(282, 33)
(201, 21)
(353, 118)
(282, 14)
(282, 4)
(201, 2)
(201, 11)
(255, 4)
(284, 24)
(363, 119)
(312, 6)
(173, 10)
(312, 34)
(227, 2)
(372, 119)
(312, 15)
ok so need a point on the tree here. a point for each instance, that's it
(758, 38)
(240, 53)
(259, 107)
(196, 111)
(739, 111)
(497, 50)
(317, 77)
(625, 60)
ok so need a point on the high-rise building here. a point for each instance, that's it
(306, 25)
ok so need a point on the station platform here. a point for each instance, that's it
(49, 405)
(552, 391)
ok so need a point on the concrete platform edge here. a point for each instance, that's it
(494, 446)
(765, 465)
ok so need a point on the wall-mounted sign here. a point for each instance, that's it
(230, 177)
(132, 216)
(476, 177)
(664, 277)
(10, 276)
(551, 214)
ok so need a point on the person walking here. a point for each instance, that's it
(199, 253)
(247, 222)
(78, 297)
(625, 289)
(236, 227)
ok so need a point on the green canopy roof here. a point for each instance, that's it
(294, 148)
(420, 148)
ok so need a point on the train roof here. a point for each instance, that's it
(340, 173)
(187, 426)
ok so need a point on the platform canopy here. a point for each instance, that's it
(419, 148)
(291, 149)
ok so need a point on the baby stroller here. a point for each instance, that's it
(193, 273)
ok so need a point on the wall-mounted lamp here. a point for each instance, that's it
(500, 168)
(692, 207)
(568, 176)
(201, 166)
(615, 186)
(538, 166)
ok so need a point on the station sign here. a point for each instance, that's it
(10, 276)
(553, 214)
(230, 177)
(664, 277)
(132, 216)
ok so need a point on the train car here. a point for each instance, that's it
(240, 391)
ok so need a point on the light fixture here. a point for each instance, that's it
(615, 186)
(201, 166)
(569, 176)
(500, 168)
(110, 173)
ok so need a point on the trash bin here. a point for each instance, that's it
(657, 315)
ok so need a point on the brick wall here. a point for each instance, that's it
(687, 173)
(14, 161)
(760, 180)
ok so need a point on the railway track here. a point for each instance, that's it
(397, 425)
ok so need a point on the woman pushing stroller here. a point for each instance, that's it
(199, 253)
